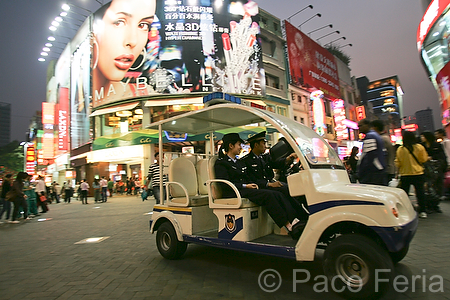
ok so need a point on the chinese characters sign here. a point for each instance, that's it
(191, 46)
(310, 65)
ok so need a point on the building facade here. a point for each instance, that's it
(5, 123)
(433, 45)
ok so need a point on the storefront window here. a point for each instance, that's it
(436, 45)
(119, 122)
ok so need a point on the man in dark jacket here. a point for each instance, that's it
(372, 165)
(259, 164)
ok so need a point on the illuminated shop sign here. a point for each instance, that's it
(188, 46)
(63, 119)
(48, 113)
(318, 112)
(443, 82)
(48, 121)
(339, 120)
(310, 65)
(360, 113)
(30, 160)
(433, 12)
(410, 127)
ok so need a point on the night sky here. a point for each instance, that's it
(383, 34)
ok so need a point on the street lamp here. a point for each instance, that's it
(309, 6)
(66, 7)
(345, 46)
(342, 37)
(329, 25)
(337, 31)
(316, 15)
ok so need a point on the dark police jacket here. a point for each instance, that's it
(259, 169)
(235, 172)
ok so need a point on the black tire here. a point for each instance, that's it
(398, 256)
(356, 255)
(167, 242)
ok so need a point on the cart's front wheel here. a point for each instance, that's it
(357, 267)
(168, 244)
(398, 256)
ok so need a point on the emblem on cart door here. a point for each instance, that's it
(230, 223)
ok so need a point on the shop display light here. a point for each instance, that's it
(124, 113)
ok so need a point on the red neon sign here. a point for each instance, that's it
(360, 113)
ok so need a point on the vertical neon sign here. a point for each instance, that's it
(318, 112)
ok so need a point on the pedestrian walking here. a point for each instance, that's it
(19, 198)
(84, 186)
(68, 192)
(104, 189)
(40, 187)
(54, 189)
(31, 197)
(6, 187)
(372, 164)
(97, 190)
(153, 175)
(110, 187)
(389, 150)
(409, 161)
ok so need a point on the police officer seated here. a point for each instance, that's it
(260, 167)
(228, 167)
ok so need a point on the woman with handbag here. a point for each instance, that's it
(409, 161)
(19, 198)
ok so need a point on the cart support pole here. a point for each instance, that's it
(161, 167)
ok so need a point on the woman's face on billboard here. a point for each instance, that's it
(122, 37)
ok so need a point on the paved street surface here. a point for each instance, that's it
(41, 260)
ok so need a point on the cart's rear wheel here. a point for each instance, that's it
(167, 242)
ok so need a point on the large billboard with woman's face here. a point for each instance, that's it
(151, 47)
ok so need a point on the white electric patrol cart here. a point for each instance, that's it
(360, 227)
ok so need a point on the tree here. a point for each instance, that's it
(11, 158)
(333, 49)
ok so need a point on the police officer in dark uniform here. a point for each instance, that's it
(228, 167)
(260, 167)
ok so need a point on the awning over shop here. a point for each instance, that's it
(112, 109)
(150, 136)
(165, 102)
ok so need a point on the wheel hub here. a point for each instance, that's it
(353, 269)
(165, 241)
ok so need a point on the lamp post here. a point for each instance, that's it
(342, 37)
(340, 47)
(66, 7)
(329, 25)
(316, 15)
(309, 6)
(337, 31)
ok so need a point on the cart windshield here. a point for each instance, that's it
(314, 148)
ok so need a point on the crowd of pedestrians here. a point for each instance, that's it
(421, 161)
(31, 198)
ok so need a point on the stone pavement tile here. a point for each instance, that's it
(67, 294)
(128, 266)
